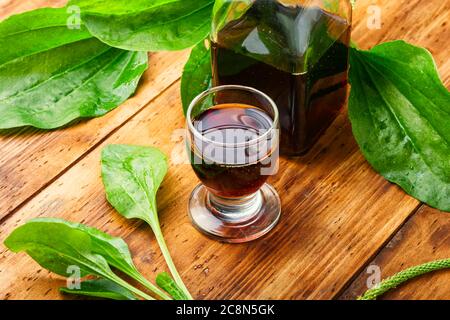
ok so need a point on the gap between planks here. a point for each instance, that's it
(358, 271)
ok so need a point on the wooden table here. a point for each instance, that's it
(339, 217)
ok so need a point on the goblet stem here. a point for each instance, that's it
(234, 210)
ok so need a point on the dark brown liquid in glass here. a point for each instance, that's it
(296, 55)
(232, 171)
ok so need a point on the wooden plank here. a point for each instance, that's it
(432, 35)
(10, 7)
(337, 213)
(32, 158)
(425, 237)
(423, 23)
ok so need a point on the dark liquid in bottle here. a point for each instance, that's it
(232, 170)
(298, 56)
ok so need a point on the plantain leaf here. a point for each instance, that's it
(51, 74)
(101, 288)
(197, 74)
(147, 25)
(113, 249)
(400, 114)
(57, 245)
(132, 176)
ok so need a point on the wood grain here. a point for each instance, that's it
(337, 212)
(10, 7)
(425, 237)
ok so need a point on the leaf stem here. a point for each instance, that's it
(169, 261)
(128, 286)
(150, 286)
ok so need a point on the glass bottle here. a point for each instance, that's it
(296, 51)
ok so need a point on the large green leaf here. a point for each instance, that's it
(51, 74)
(147, 25)
(132, 176)
(101, 288)
(197, 74)
(113, 249)
(57, 245)
(117, 254)
(400, 114)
